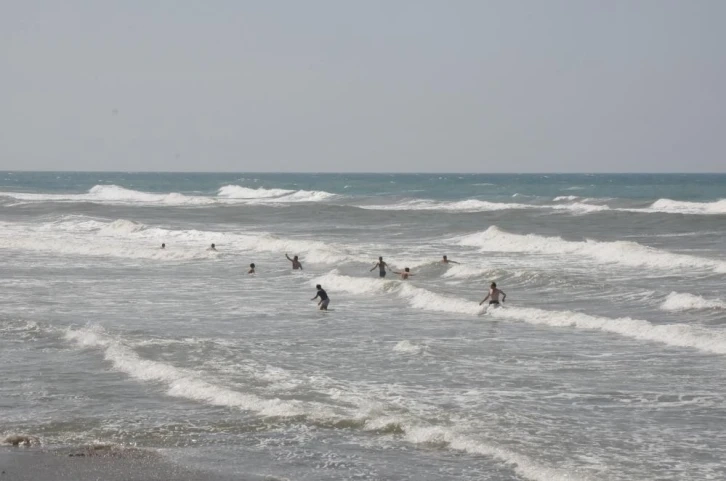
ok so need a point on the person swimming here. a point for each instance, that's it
(405, 274)
(212, 248)
(163, 246)
(295, 262)
(381, 267)
(445, 260)
(252, 269)
(494, 295)
(324, 299)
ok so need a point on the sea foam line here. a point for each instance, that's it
(687, 302)
(676, 335)
(188, 385)
(625, 253)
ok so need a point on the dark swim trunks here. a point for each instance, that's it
(496, 303)
(382, 274)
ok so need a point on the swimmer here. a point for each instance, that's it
(405, 274)
(163, 246)
(324, 299)
(494, 294)
(445, 260)
(295, 263)
(381, 267)
(252, 269)
(212, 248)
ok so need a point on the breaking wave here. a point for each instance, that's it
(682, 207)
(624, 253)
(678, 302)
(677, 335)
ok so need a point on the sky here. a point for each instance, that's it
(369, 86)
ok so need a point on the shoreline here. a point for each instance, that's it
(100, 462)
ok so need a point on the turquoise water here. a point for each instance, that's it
(606, 361)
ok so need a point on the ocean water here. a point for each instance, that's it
(607, 361)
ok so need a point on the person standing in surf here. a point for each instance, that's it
(324, 299)
(405, 274)
(252, 269)
(381, 267)
(295, 262)
(446, 260)
(494, 295)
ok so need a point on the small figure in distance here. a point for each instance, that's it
(324, 299)
(252, 269)
(381, 267)
(295, 262)
(163, 246)
(494, 294)
(405, 274)
(212, 248)
(445, 260)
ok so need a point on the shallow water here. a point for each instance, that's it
(607, 361)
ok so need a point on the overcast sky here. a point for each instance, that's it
(367, 86)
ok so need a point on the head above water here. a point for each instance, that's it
(444, 257)
(212, 246)
(163, 245)
(380, 258)
(294, 257)
(406, 269)
(318, 286)
(252, 265)
(493, 285)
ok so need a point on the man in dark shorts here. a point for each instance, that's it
(324, 299)
(381, 267)
(494, 294)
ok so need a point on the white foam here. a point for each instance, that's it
(261, 195)
(239, 192)
(678, 335)
(522, 465)
(114, 194)
(474, 205)
(565, 197)
(179, 382)
(683, 207)
(687, 302)
(80, 235)
(408, 347)
(625, 253)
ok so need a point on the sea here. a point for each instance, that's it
(606, 362)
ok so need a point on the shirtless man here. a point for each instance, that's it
(211, 248)
(405, 274)
(295, 263)
(494, 294)
(445, 260)
(252, 269)
(381, 267)
(324, 299)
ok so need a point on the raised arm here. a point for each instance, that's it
(288, 257)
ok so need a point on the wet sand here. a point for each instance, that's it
(89, 464)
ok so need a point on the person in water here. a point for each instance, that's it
(494, 295)
(163, 246)
(295, 262)
(324, 299)
(445, 260)
(252, 269)
(381, 267)
(405, 274)
(212, 248)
